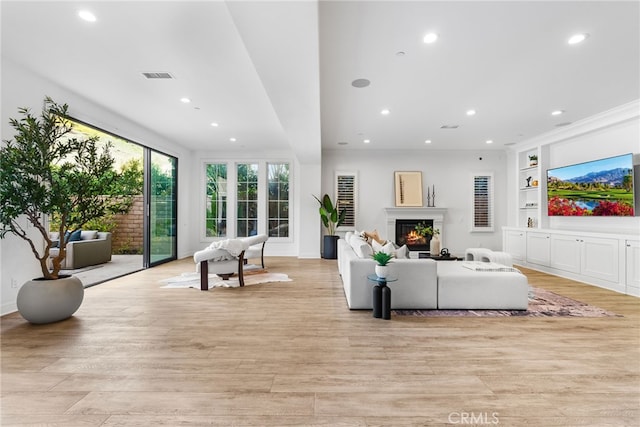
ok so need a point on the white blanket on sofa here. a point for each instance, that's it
(220, 250)
(487, 266)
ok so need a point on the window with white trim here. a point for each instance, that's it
(247, 198)
(482, 203)
(216, 200)
(346, 193)
(278, 199)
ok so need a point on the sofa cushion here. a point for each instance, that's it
(89, 235)
(363, 250)
(360, 246)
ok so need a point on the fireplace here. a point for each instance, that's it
(432, 216)
(406, 234)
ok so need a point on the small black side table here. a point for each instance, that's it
(381, 296)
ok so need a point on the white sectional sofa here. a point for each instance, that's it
(429, 284)
(416, 287)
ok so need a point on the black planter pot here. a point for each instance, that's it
(330, 247)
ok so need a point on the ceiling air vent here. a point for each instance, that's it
(157, 75)
(449, 126)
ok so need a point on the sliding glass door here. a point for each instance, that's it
(161, 210)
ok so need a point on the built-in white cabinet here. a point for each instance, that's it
(606, 260)
(599, 258)
(538, 248)
(565, 252)
(632, 270)
(589, 256)
(516, 244)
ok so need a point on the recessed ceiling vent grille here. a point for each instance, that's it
(449, 126)
(158, 75)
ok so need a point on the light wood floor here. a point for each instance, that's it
(291, 353)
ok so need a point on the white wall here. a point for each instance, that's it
(21, 88)
(450, 172)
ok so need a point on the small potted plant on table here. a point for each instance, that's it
(382, 260)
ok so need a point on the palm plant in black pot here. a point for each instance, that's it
(48, 172)
(331, 219)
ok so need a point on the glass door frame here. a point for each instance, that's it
(147, 263)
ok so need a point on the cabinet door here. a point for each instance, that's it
(516, 244)
(632, 249)
(538, 248)
(600, 258)
(565, 252)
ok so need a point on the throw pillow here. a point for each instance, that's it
(73, 237)
(373, 236)
(388, 247)
(402, 252)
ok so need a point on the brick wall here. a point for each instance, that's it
(127, 236)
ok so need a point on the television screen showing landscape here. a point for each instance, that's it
(598, 188)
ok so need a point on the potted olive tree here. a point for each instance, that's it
(331, 219)
(48, 172)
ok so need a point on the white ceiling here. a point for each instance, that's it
(278, 74)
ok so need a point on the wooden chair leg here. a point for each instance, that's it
(204, 275)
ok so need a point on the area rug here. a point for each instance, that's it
(192, 280)
(542, 303)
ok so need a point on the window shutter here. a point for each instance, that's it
(346, 198)
(482, 204)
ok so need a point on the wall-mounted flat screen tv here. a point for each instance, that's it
(602, 187)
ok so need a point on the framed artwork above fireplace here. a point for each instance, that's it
(408, 189)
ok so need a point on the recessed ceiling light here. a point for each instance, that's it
(489, 141)
(214, 124)
(428, 141)
(401, 53)
(232, 139)
(185, 100)
(577, 38)
(366, 141)
(360, 83)
(557, 112)
(430, 38)
(87, 16)
(471, 112)
(385, 112)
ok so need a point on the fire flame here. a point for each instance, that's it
(414, 238)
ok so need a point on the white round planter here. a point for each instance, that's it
(382, 271)
(47, 301)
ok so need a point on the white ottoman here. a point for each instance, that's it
(499, 257)
(462, 288)
(476, 254)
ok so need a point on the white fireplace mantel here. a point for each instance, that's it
(434, 214)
